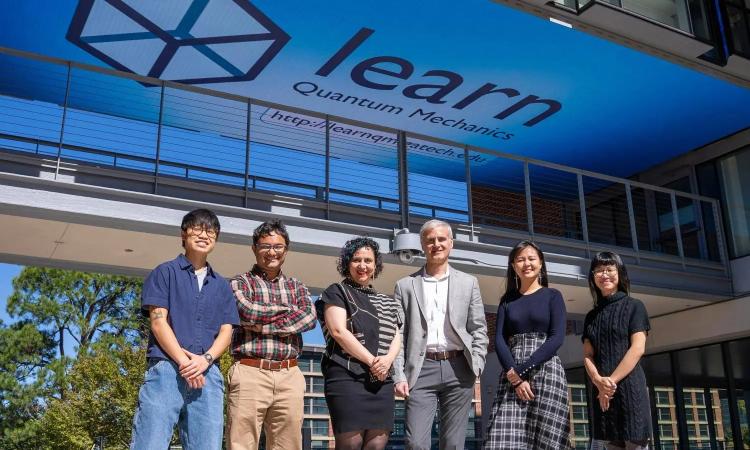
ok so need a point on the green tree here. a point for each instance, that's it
(100, 398)
(26, 367)
(52, 307)
(80, 305)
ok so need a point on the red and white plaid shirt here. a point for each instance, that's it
(273, 315)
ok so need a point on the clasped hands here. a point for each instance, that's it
(607, 388)
(380, 366)
(522, 388)
(192, 369)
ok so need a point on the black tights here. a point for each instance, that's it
(362, 440)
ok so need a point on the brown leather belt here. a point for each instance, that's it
(442, 356)
(268, 364)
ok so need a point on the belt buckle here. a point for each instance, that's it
(263, 364)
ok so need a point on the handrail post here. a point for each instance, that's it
(403, 179)
(529, 209)
(677, 230)
(469, 206)
(158, 139)
(584, 219)
(247, 149)
(62, 123)
(631, 218)
(328, 169)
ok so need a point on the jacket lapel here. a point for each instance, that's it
(419, 292)
(451, 295)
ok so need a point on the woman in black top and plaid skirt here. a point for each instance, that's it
(361, 328)
(614, 339)
(531, 408)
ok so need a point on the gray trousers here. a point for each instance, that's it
(449, 383)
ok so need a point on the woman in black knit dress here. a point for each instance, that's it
(614, 339)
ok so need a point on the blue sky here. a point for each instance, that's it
(9, 271)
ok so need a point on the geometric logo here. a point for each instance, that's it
(188, 41)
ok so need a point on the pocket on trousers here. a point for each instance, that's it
(233, 379)
(152, 369)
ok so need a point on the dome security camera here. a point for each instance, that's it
(406, 246)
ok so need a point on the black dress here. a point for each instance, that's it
(357, 401)
(609, 327)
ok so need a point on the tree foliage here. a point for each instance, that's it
(80, 305)
(45, 389)
(25, 358)
(100, 398)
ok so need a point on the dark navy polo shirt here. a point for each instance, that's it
(195, 316)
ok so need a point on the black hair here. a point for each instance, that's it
(270, 227)
(608, 259)
(204, 218)
(351, 247)
(512, 281)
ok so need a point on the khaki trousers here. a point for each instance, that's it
(272, 399)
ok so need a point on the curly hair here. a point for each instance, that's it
(351, 247)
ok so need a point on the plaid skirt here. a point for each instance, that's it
(540, 424)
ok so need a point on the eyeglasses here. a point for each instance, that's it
(609, 271)
(278, 248)
(197, 230)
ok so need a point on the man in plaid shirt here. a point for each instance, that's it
(266, 388)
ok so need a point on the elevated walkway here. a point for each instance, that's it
(97, 168)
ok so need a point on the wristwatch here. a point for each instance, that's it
(208, 357)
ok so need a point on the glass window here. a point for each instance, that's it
(659, 376)
(663, 397)
(741, 371)
(315, 384)
(318, 405)
(703, 379)
(318, 427)
(579, 412)
(665, 414)
(735, 196)
(303, 364)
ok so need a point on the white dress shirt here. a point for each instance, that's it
(440, 334)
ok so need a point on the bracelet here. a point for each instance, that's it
(517, 384)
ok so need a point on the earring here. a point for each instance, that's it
(518, 287)
(540, 278)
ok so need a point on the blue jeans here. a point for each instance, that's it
(165, 400)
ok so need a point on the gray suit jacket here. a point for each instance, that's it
(465, 313)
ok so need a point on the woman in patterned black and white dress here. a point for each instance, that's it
(361, 328)
(531, 408)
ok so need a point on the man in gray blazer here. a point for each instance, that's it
(444, 343)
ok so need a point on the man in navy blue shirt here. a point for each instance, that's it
(192, 312)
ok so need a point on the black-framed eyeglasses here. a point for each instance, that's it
(601, 271)
(278, 248)
(198, 230)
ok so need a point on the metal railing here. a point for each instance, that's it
(90, 116)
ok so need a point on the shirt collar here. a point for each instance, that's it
(257, 271)
(185, 264)
(430, 278)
